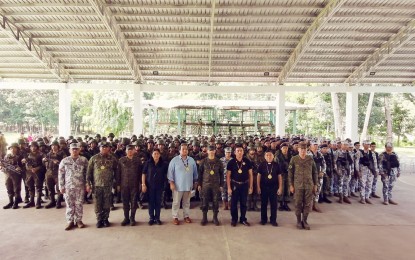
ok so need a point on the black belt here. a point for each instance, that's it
(240, 182)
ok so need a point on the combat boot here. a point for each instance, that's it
(31, 203)
(373, 195)
(225, 205)
(340, 199)
(286, 207)
(336, 194)
(215, 219)
(299, 223)
(346, 200)
(52, 202)
(306, 226)
(16, 203)
(59, 201)
(10, 204)
(132, 218)
(325, 199)
(316, 208)
(38, 201)
(126, 220)
(281, 207)
(393, 202)
(353, 194)
(204, 219)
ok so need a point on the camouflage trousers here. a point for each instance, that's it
(74, 198)
(302, 201)
(103, 202)
(327, 180)
(52, 182)
(354, 184)
(374, 183)
(129, 197)
(210, 193)
(319, 188)
(34, 182)
(13, 184)
(343, 181)
(365, 182)
(285, 196)
(335, 183)
(388, 183)
(225, 195)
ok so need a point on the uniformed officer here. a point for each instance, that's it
(283, 157)
(303, 178)
(321, 169)
(344, 163)
(35, 175)
(51, 161)
(375, 174)
(128, 179)
(72, 183)
(239, 180)
(210, 184)
(13, 178)
(390, 171)
(226, 199)
(367, 165)
(100, 177)
(269, 181)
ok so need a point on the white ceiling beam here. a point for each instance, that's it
(212, 28)
(385, 51)
(31, 46)
(113, 28)
(37, 5)
(329, 10)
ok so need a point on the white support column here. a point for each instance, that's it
(280, 112)
(137, 110)
(352, 114)
(65, 111)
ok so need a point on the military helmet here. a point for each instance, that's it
(111, 135)
(13, 145)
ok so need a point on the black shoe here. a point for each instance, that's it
(112, 207)
(150, 222)
(325, 199)
(233, 223)
(125, 222)
(26, 200)
(245, 223)
(281, 208)
(274, 224)
(320, 200)
(106, 223)
(263, 222)
(100, 224)
(29, 205)
(158, 222)
(287, 208)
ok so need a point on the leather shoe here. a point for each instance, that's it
(158, 222)
(245, 223)
(69, 226)
(233, 223)
(80, 224)
(274, 224)
(263, 222)
(187, 220)
(176, 221)
(150, 222)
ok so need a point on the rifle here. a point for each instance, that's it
(10, 167)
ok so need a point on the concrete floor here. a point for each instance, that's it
(342, 232)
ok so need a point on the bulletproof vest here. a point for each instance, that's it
(365, 158)
(390, 161)
(344, 159)
(318, 159)
(329, 162)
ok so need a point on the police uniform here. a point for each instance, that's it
(390, 170)
(367, 165)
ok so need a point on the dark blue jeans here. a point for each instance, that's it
(154, 202)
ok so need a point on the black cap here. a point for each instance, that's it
(211, 148)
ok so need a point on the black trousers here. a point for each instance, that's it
(154, 202)
(239, 193)
(268, 194)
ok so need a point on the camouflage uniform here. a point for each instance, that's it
(256, 160)
(210, 178)
(72, 175)
(303, 175)
(367, 165)
(284, 161)
(331, 168)
(389, 168)
(13, 180)
(52, 168)
(344, 163)
(34, 181)
(321, 168)
(128, 177)
(225, 196)
(100, 175)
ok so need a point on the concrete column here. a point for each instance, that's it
(64, 111)
(352, 114)
(280, 112)
(137, 111)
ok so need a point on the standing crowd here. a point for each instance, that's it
(243, 170)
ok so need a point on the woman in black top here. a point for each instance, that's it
(154, 179)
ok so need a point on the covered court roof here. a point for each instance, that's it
(281, 41)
